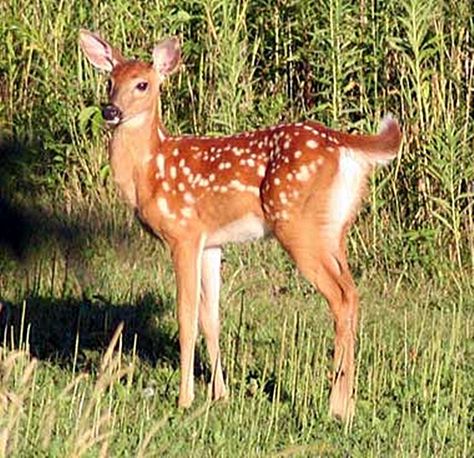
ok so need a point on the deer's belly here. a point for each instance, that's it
(249, 227)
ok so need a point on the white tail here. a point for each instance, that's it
(302, 182)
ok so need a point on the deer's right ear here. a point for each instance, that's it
(99, 53)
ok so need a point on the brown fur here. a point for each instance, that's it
(303, 182)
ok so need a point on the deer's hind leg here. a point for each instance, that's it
(209, 317)
(319, 254)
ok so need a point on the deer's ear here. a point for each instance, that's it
(166, 57)
(99, 53)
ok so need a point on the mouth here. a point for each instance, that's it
(135, 119)
(113, 122)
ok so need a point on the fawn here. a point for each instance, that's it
(301, 182)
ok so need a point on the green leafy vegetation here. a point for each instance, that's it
(88, 335)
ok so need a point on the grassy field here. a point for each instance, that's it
(88, 335)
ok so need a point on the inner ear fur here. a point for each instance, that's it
(98, 51)
(167, 56)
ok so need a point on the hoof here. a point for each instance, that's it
(217, 394)
(341, 406)
(185, 402)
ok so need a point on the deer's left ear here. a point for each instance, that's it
(166, 57)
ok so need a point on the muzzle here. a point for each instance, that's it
(111, 114)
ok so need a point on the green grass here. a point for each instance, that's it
(74, 264)
(415, 365)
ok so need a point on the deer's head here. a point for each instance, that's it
(134, 86)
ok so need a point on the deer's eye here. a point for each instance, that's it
(142, 86)
(108, 86)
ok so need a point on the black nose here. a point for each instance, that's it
(111, 113)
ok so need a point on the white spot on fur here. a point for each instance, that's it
(312, 144)
(261, 171)
(164, 208)
(173, 172)
(237, 185)
(187, 212)
(188, 198)
(160, 162)
(303, 174)
(253, 190)
(284, 215)
(195, 179)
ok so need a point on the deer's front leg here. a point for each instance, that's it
(209, 317)
(187, 260)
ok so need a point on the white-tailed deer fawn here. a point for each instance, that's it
(301, 182)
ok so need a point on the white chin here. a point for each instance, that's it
(112, 122)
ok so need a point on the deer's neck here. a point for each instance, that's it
(132, 147)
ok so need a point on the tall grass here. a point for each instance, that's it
(254, 63)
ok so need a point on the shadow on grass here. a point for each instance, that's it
(54, 328)
(32, 228)
(29, 221)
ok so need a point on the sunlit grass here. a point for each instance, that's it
(414, 390)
